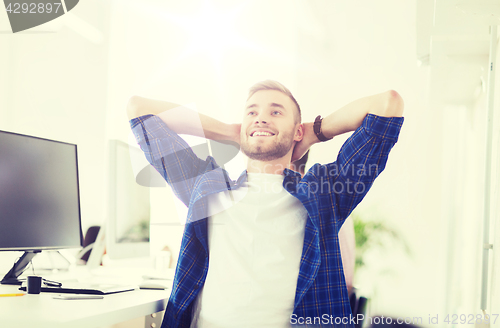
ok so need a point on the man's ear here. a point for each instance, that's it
(299, 132)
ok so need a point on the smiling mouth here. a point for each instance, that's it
(262, 134)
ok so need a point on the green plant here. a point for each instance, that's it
(374, 234)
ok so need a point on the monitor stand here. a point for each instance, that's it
(18, 268)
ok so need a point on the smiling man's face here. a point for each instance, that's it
(269, 127)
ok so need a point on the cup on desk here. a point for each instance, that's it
(34, 284)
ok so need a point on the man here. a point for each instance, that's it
(263, 251)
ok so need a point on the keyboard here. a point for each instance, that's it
(83, 288)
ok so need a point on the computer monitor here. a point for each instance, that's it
(39, 198)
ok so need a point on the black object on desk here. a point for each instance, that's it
(34, 284)
(92, 289)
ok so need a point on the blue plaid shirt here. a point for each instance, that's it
(328, 192)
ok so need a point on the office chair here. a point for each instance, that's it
(88, 243)
(358, 306)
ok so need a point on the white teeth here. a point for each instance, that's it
(257, 133)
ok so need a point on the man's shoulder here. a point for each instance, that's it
(319, 170)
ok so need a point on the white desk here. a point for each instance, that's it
(43, 311)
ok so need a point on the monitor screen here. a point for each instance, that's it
(39, 194)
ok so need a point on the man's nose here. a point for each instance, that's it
(261, 118)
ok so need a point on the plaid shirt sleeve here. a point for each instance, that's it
(361, 159)
(169, 154)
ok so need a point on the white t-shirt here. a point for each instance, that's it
(255, 247)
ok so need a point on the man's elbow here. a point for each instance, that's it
(134, 107)
(394, 105)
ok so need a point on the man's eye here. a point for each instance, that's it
(276, 112)
(251, 113)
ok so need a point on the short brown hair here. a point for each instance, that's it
(275, 85)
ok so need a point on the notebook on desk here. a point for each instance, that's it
(87, 288)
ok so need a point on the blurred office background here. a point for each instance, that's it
(70, 80)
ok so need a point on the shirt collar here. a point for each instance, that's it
(242, 178)
(290, 175)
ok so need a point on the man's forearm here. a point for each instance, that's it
(350, 117)
(183, 120)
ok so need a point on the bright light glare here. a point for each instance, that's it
(211, 31)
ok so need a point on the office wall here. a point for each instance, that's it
(464, 203)
(54, 85)
(493, 304)
(494, 289)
